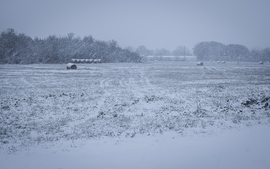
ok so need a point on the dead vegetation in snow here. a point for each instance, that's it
(44, 106)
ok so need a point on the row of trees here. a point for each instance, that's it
(179, 51)
(22, 49)
(232, 52)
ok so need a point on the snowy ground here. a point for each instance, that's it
(150, 115)
(247, 148)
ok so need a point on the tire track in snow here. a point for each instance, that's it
(26, 82)
(105, 82)
(127, 82)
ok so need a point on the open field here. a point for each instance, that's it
(43, 104)
(46, 105)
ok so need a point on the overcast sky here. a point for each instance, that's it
(152, 23)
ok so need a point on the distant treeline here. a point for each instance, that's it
(233, 52)
(21, 49)
(178, 51)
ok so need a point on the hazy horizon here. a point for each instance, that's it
(154, 24)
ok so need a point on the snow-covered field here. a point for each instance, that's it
(127, 115)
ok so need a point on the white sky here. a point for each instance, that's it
(152, 23)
